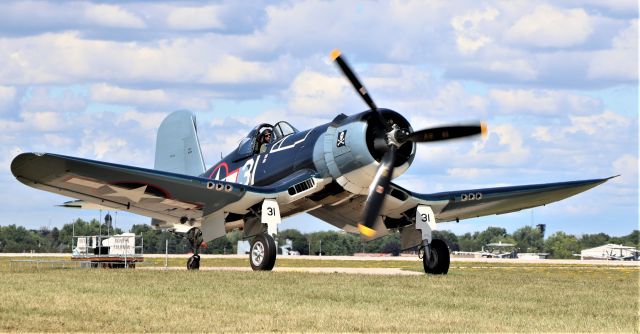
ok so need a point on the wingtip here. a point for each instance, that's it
(368, 232)
(335, 53)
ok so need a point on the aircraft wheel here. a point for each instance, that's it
(263, 252)
(438, 263)
(194, 262)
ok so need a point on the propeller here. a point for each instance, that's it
(395, 137)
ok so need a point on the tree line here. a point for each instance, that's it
(528, 239)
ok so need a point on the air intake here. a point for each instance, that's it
(302, 186)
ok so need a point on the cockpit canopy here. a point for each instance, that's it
(250, 145)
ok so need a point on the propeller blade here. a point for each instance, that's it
(336, 56)
(447, 132)
(377, 193)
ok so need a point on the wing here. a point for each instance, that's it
(456, 205)
(179, 200)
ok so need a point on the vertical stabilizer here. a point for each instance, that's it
(177, 145)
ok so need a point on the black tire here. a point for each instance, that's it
(194, 262)
(262, 255)
(439, 260)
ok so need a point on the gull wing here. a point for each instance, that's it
(169, 197)
(463, 204)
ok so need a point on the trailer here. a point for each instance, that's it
(108, 251)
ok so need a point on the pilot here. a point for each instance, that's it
(264, 139)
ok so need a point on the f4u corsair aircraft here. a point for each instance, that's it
(339, 172)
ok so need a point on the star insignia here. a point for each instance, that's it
(133, 195)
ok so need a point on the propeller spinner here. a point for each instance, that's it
(395, 137)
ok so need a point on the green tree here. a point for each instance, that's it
(492, 234)
(333, 243)
(632, 239)
(469, 242)
(17, 239)
(528, 239)
(378, 245)
(593, 240)
(450, 238)
(562, 246)
(221, 245)
(299, 240)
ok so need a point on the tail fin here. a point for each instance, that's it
(177, 145)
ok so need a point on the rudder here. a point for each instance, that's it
(177, 145)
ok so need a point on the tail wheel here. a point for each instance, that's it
(439, 259)
(263, 252)
(194, 262)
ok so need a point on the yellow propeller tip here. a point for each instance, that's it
(484, 130)
(369, 232)
(335, 54)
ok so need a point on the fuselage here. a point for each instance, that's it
(347, 150)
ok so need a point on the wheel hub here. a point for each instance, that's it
(257, 253)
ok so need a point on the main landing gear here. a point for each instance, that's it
(434, 252)
(435, 257)
(262, 255)
(194, 236)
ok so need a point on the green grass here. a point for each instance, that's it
(473, 297)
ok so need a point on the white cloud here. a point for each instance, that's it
(44, 99)
(195, 18)
(111, 16)
(113, 94)
(542, 101)
(451, 102)
(470, 173)
(101, 148)
(627, 167)
(469, 37)
(45, 121)
(7, 97)
(519, 69)
(605, 125)
(549, 26)
(504, 146)
(71, 58)
(147, 121)
(621, 61)
(542, 134)
(313, 93)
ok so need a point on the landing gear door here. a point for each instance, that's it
(425, 221)
(271, 215)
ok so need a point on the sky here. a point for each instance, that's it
(557, 83)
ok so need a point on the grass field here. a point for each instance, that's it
(473, 297)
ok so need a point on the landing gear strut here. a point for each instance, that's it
(434, 252)
(195, 240)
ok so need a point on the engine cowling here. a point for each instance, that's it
(352, 148)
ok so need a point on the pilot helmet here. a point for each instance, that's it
(264, 134)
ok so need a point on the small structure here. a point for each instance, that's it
(532, 256)
(243, 247)
(287, 249)
(109, 251)
(499, 250)
(610, 252)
